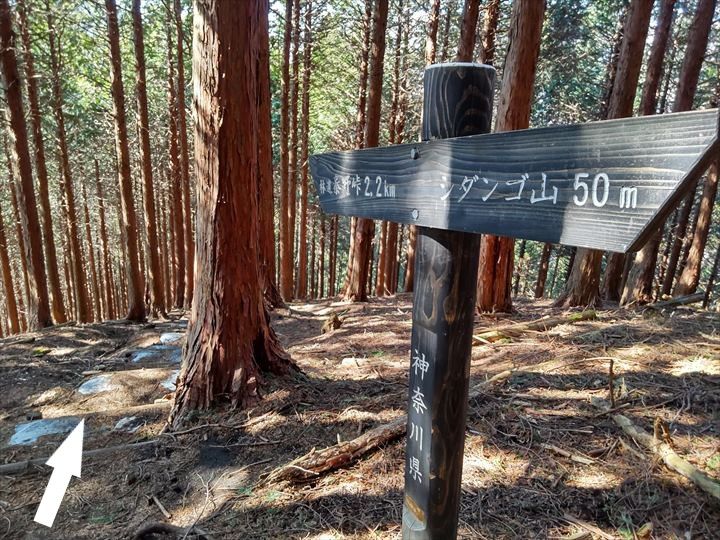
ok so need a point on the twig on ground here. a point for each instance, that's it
(665, 451)
(161, 507)
(587, 526)
(575, 457)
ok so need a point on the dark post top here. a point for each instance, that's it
(457, 101)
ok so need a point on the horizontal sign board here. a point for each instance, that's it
(602, 185)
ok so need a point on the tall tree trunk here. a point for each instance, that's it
(468, 31)
(363, 79)
(302, 275)
(690, 276)
(359, 258)
(111, 312)
(8, 285)
(449, 16)
(68, 283)
(91, 258)
(184, 157)
(19, 234)
(582, 286)
(521, 255)
(230, 341)
(361, 117)
(543, 271)
(668, 76)
(497, 253)
(332, 277)
(611, 68)
(555, 272)
(621, 106)
(166, 244)
(492, 14)
(382, 253)
(266, 196)
(430, 58)
(388, 259)
(286, 241)
(136, 304)
(59, 314)
(178, 224)
(648, 102)
(638, 286)
(321, 285)
(293, 142)
(313, 229)
(690, 73)
(431, 38)
(77, 259)
(157, 303)
(38, 309)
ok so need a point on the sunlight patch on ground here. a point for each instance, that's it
(595, 479)
(698, 364)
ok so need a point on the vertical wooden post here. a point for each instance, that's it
(457, 101)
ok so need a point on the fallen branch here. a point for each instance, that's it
(315, 463)
(539, 325)
(574, 457)
(21, 466)
(663, 450)
(679, 301)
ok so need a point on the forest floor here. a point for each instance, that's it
(540, 461)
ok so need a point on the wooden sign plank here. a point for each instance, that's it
(602, 185)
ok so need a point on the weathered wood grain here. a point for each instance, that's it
(458, 100)
(658, 156)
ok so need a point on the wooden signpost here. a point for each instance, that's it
(603, 185)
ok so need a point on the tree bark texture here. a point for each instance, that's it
(178, 226)
(109, 280)
(492, 14)
(286, 241)
(690, 276)
(621, 106)
(38, 308)
(543, 271)
(266, 196)
(157, 302)
(468, 30)
(357, 277)
(184, 158)
(135, 289)
(91, 258)
(638, 284)
(230, 341)
(497, 253)
(59, 314)
(8, 285)
(698, 37)
(431, 38)
(293, 142)
(302, 275)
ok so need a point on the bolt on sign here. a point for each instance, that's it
(602, 185)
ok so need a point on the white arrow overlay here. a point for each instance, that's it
(66, 462)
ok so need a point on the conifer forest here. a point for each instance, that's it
(360, 269)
